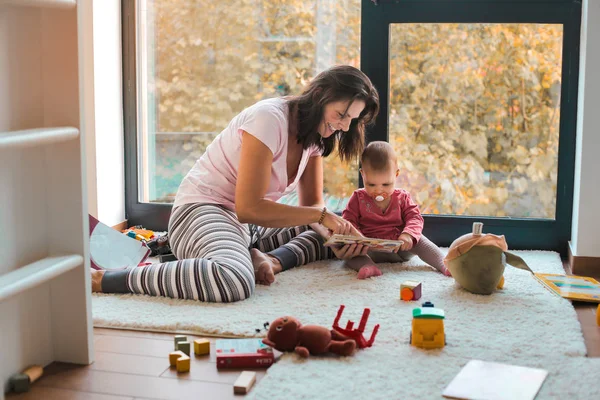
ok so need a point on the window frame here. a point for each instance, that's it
(376, 17)
(520, 233)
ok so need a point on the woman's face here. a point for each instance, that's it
(337, 116)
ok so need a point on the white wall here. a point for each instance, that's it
(585, 239)
(104, 112)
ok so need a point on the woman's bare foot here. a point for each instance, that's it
(368, 271)
(97, 280)
(265, 267)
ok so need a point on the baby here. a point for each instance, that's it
(384, 212)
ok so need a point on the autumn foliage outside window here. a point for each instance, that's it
(474, 108)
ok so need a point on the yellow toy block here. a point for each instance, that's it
(174, 356)
(183, 364)
(501, 283)
(428, 327)
(201, 347)
(179, 360)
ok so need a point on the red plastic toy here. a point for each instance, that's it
(356, 334)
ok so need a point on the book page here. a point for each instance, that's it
(483, 380)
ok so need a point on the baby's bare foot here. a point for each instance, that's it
(368, 271)
(265, 267)
(97, 280)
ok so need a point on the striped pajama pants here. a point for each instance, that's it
(213, 251)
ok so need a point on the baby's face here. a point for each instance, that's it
(379, 184)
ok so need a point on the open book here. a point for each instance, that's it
(373, 243)
(571, 287)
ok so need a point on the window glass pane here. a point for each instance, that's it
(474, 116)
(201, 62)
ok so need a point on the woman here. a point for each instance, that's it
(226, 228)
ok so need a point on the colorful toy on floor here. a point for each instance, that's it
(201, 347)
(159, 246)
(244, 382)
(139, 233)
(179, 360)
(410, 290)
(243, 353)
(428, 327)
(20, 383)
(179, 338)
(477, 261)
(185, 347)
(356, 334)
(288, 334)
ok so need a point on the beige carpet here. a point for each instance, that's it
(523, 324)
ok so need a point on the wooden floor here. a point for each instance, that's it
(134, 365)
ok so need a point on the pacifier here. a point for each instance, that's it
(381, 196)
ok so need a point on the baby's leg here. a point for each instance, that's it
(431, 254)
(364, 265)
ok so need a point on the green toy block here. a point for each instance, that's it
(19, 383)
(428, 312)
(179, 338)
(185, 347)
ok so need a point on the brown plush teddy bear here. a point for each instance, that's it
(288, 334)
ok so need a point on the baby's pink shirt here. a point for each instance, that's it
(401, 216)
(214, 176)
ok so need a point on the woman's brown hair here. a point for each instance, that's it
(338, 83)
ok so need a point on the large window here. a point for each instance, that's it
(474, 116)
(201, 62)
(479, 100)
(478, 97)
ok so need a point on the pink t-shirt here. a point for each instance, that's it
(214, 176)
(401, 215)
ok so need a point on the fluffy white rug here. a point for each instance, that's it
(523, 324)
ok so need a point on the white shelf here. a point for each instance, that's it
(35, 274)
(41, 3)
(36, 137)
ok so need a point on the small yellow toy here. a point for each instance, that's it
(179, 360)
(428, 327)
(201, 347)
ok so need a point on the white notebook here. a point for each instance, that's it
(483, 380)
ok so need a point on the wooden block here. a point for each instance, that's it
(201, 347)
(174, 356)
(179, 360)
(410, 290)
(179, 338)
(183, 364)
(19, 383)
(185, 347)
(244, 382)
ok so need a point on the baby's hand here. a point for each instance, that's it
(408, 241)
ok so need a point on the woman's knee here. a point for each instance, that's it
(232, 279)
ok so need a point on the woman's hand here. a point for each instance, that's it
(337, 224)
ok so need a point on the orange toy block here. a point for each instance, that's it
(179, 360)
(201, 347)
(410, 290)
